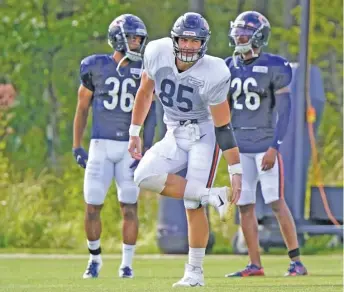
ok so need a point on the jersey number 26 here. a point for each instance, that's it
(252, 99)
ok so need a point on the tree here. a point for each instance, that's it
(33, 41)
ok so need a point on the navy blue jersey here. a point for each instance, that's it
(113, 95)
(252, 99)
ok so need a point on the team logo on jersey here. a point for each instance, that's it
(260, 69)
(189, 33)
(135, 71)
(196, 82)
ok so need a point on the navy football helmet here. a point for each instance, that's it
(251, 26)
(123, 27)
(190, 25)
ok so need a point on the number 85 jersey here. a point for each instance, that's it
(185, 95)
(253, 100)
(113, 95)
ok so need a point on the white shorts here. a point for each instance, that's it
(179, 150)
(272, 181)
(107, 160)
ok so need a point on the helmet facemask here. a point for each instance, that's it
(239, 30)
(189, 55)
(121, 44)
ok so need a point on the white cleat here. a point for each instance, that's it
(92, 270)
(193, 277)
(219, 198)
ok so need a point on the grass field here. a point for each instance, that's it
(158, 273)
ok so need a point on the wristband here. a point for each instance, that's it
(134, 130)
(235, 169)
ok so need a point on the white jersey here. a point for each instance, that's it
(186, 95)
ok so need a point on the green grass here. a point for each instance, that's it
(51, 274)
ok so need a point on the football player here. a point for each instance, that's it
(109, 84)
(259, 89)
(192, 88)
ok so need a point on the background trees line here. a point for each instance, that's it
(43, 42)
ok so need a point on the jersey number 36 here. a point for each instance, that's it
(127, 99)
(252, 99)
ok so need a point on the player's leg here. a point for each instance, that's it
(98, 176)
(272, 182)
(248, 218)
(202, 171)
(127, 193)
(156, 171)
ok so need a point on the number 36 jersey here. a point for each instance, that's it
(185, 95)
(252, 99)
(113, 95)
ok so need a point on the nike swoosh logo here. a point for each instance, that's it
(78, 158)
(221, 202)
(202, 136)
(286, 63)
(195, 285)
(279, 142)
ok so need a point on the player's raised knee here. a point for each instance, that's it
(154, 183)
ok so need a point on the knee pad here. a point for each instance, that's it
(128, 194)
(154, 183)
(190, 204)
(94, 195)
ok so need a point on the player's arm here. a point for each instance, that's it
(225, 136)
(81, 114)
(283, 106)
(226, 140)
(85, 94)
(142, 103)
(280, 81)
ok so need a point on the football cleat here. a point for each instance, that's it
(92, 270)
(219, 198)
(250, 270)
(296, 269)
(126, 272)
(193, 277)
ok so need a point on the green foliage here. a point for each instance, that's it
(43, 43)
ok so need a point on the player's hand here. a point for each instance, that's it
(236, 188)
(269, 159)
(80, 156)
(134, 165)
(134, 147)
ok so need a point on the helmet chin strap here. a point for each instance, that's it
(119, 66)
(118, 69)
(240, 50)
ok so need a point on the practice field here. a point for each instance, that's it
(158, 273)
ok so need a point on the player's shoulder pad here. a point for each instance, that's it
(93, 60)
(89, 61)
(228, 61)
(156, 47)
(216, 68)
(281, 70)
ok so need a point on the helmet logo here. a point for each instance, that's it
(140, 30)
(189, 33)
(262, 19)
(238, 23)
